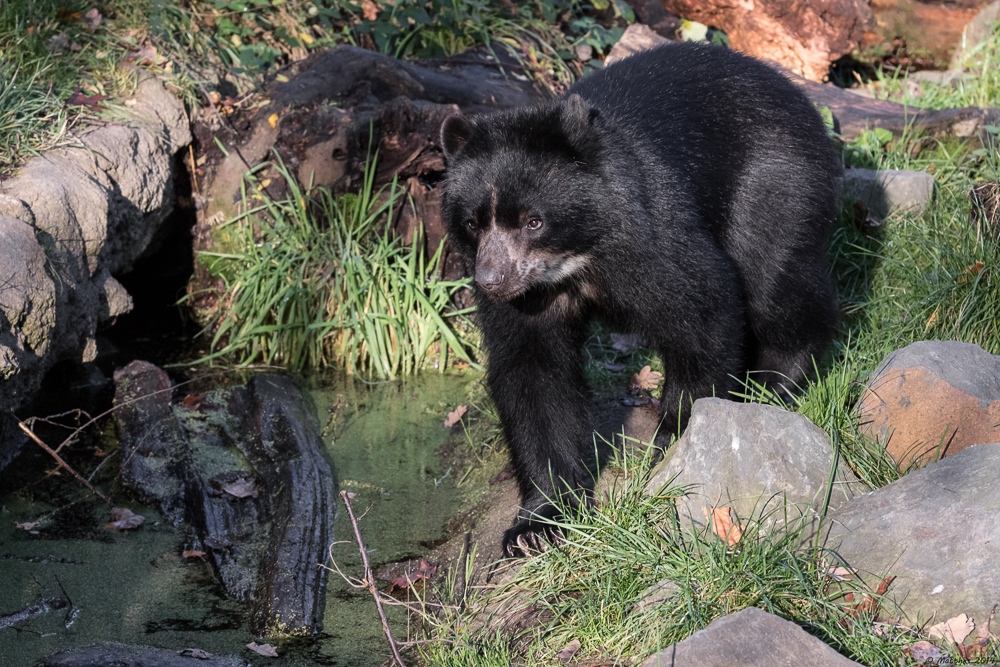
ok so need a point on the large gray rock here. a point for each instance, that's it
(935, 530)
(888, 191)
(69, 220)
(752, 458)
(749, 638)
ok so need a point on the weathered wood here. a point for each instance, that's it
(267, 546)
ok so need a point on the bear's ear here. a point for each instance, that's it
(577, 118)
(455, 133)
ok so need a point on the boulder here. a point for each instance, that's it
(749, 638)
(804, 36)
(932, 399)
(889, 191)
(752, 458)
(975, 31)
(935, 531)
(245, 468)
(69, 221)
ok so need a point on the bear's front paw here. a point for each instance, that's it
(531, 533)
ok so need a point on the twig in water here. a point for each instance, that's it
(369, 580)
(62, 463)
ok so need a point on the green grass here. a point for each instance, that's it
(314, 281)
(591, 586)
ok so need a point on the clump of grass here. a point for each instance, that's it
(324, 281)
(611, 557)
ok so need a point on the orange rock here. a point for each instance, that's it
(921, 417)
(804, 36)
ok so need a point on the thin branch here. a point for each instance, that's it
(62, 463)
(369, 580)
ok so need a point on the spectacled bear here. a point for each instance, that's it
(685, 194)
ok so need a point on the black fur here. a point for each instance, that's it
(684, 193)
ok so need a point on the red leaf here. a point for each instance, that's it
(78, 99)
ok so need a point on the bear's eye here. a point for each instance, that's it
(534, 224)
(470, 223)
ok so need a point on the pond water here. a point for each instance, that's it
(136, 588)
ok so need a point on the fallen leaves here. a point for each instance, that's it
(645, 379)
(28, 526)
(93, 17)
(565, 654)
(272, 120)
(970, 272)
(721, 521)
(954, 629)
(195, 653)
(124, 519)
(370, 10)
(425, 571)
(455, 416)
(265, 650)
(194, 553)
(78, 99)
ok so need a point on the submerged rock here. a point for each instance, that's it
(245, 467)
(121, 655)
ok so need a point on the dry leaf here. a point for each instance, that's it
(195, 653)
(931, 320)
(456, 416)
(626, 343)
(241, 488)
(27, 526)
(192, 401)
(924, 651)
(93, 17)
(146, 55)
(78, 99)
(281, 78)
(970, 272)
(840, 573)
(566, 653)
(194, 553)
(370, 10)
(646, 379)
(272, 120)
(265, 650)
(123, 519)
(954, 629)
(426, 571)
(722, 524)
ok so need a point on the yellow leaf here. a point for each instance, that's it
(931, 320)
(235, 39)
(273, 120)
(307, 38)
(281, 78)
